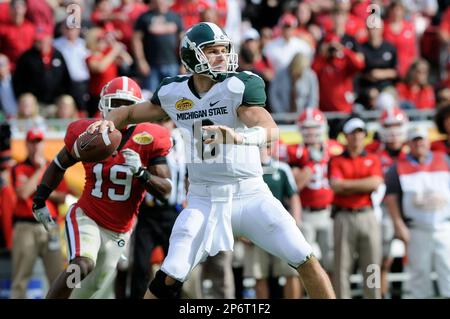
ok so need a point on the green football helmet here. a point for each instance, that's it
(196, 38)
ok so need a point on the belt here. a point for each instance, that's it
(25, 220)
(354, 210)
(314, 209)
(203, 189)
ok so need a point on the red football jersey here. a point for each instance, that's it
(111, 195)
(387, 160)
(318, 192)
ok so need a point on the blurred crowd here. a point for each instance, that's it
(316, 56)
(338, 55)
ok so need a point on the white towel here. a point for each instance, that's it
(218, 235)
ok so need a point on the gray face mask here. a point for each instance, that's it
(316, 154)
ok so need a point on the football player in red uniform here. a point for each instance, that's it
(394, 127)
(393, 132)
(310, 166)
(98, 226)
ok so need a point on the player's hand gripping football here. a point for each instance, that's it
(101, 126)
(222, 135)
(42, 215)
(132, 160)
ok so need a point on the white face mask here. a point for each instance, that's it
(316, 154)
(313, 134)
(394, 134)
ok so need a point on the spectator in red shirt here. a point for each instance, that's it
(415, 92)
(336, 66)
(7, 194)
(222, 9)
(4, 12)
(359, 8)
(40, 13)
(189, 10)
(354, 175)
(352, 25)
(123, 18)
(31, 240)
(102, 13)
(106, 55)
(16, 35)
(401, 33)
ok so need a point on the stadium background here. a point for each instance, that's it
(262, 16)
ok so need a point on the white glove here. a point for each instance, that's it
(132, 160)
(43, 216)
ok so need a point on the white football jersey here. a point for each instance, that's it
(218, 163)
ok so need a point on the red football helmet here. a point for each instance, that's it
(394, 125)
(123, 89)
(313, 126)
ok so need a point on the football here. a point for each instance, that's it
(97, 146)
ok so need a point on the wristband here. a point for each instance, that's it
(143, 175)
(256, 135)
(42, 194)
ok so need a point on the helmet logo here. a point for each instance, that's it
(143, 138)
(184, 104)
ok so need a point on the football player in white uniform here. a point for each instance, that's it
(221, 115)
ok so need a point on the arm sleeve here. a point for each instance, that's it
(394, 58)
(254, 92)
(355, 63)
(392, 181)
(290, 187)
(291, 155)
(63, 187)
(155, 98)
(139, 25)
(16, 172)
(162, 145)
(318, 63)
(73, 131)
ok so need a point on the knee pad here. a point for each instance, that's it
(160, 290)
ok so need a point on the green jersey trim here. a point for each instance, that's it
(254, 92)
